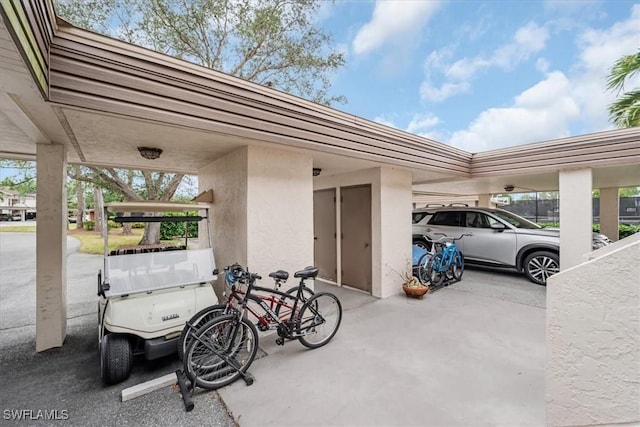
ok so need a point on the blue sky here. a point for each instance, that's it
(481, 75)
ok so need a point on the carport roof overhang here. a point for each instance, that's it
(103, 98)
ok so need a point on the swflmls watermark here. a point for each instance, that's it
(35, 414)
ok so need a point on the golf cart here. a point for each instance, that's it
(148, 292)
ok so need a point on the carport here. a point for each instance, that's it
(70, 96)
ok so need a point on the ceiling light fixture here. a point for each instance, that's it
(150, 153)
(316, 171)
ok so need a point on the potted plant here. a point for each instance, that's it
(410, 284)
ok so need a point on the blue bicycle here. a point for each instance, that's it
(446, 262)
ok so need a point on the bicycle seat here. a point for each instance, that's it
(308, 272)
(280, 275)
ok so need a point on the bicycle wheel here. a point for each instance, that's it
(197, 321)
(423, 269)
(436, 276)
(285, 301)
(319, 320)
(221, 351)
(457, 267)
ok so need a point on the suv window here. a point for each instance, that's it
(517, 221)
(416, 217)
(450, 218)
(478, 220)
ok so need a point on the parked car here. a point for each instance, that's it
(499, 238)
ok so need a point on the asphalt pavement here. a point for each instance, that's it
(469, 354)
(64, 383)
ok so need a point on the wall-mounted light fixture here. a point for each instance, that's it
(150, 153)
(316, 171)
(509, 188)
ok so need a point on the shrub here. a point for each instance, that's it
(112, 224)
(628, 230)
(624, 230)
(89, 225)
(137, 225)
(170, 230)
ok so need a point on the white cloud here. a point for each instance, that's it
(384, 121)
(527, 40)
(447, 90)
(562, 104)
(393, 20)
(542, 65)
(421, 122)
(599, 50)
(542, 112)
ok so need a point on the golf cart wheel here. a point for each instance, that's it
(115, 358)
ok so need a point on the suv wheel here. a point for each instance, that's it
(539, 266)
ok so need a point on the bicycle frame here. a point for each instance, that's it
(269, 302)
(449, 251)
(270, 319)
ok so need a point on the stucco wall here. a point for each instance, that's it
(280, 211)
(51, 246)
(593, 339)
(228, 179)
(390, 222)
(262, 215)
(395, 228)
(575, 216)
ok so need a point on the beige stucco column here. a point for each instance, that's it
(576, 216)
(51, 246)
(394, 249)
(262, 214)
(484, 201)
(609, 212)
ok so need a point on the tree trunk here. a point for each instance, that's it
(151, 234)
(126, 227)
(98, 208)
(80, 210)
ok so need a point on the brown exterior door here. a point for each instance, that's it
(355, 212)
(324, 233)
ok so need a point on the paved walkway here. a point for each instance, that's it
(469, 354)
(455, 358)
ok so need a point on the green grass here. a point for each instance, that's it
(18, 229)
(91, 242)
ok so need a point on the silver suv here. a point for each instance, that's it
(500, 238)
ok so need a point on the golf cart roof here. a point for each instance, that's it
(154, 206)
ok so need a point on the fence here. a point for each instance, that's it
(547, 210)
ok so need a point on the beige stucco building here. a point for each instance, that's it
(70, 96)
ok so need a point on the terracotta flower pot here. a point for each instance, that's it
(415, 292)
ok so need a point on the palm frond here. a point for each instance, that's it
(625, 112)
(622, 70)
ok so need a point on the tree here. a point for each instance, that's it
(133, 186)
(22, 177)
(625, 112)
(271, 42)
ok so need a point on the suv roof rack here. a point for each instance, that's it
(431, 205)
(464, 205)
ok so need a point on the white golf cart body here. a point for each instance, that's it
(147, 293)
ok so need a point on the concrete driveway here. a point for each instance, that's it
(469, 354)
